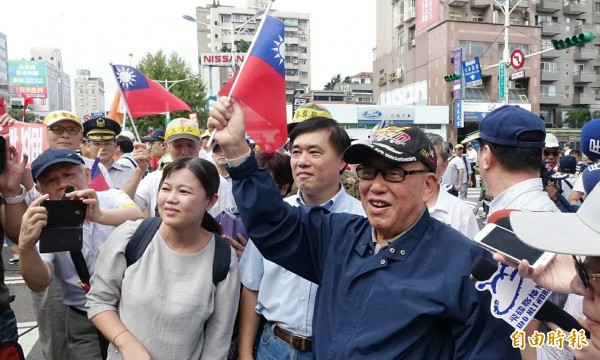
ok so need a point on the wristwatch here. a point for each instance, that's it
(16, 199)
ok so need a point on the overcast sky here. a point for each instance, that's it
(90, 35)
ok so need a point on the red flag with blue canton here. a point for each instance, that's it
(143, 95)
(98, 181)
(261, 87)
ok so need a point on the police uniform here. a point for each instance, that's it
(105, 129)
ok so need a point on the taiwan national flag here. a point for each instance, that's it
(143, 95)
(98, 181)
(260, 87)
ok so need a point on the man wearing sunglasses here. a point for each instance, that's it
(392, 285)
(551, 153)
(576, 268)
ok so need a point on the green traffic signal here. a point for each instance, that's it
(575, 40)
(452, 77)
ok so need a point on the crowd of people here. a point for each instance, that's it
(350, 249)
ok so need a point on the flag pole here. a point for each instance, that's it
(135, 130)
(237, 76)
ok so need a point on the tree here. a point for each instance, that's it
(242, 46)
(577, 117)
(17, 114)
(334, 80)
(347, 80)
(160, 68)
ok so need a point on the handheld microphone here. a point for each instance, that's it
(483, 269)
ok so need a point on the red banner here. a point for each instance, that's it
(29, 139)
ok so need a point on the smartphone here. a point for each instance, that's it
(498, 239)
(64, 229)
(231, 222)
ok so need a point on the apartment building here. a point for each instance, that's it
(221, 29)
(89, 94)
(417, 45)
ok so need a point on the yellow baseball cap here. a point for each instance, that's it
(308, 111)
(182, 128)
(59, 115)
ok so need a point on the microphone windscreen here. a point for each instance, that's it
(483, 269)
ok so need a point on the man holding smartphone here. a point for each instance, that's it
(53, 171)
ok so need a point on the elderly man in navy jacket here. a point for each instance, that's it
(392, 285)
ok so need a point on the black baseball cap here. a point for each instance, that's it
(398, 144)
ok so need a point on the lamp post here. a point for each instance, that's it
(167, 84)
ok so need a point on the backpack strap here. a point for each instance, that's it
(222, 259)
(141, 239)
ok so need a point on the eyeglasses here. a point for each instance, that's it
(59, 130)
(583, 273)
(553, 152)
(393, 174)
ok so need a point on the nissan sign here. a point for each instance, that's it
(221, 59)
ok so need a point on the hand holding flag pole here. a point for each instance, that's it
(259, 86)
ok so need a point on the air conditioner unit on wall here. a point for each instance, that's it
(413, 42)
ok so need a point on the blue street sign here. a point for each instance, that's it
(472, 72)
(459, 119)
(98, 114)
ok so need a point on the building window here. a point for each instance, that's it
(238, 18)
(476, 48)
(455, 15)
(597, 6)
(548, 90)
(478, 17)
(512, 47)
(516, 20)
(290, 22)
(225, 19)
(578, 69)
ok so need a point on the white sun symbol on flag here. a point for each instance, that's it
(126, 76)
(279, 50)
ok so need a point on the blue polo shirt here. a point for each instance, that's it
(412, 300)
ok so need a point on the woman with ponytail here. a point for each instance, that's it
(165, 305)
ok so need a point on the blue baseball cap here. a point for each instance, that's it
(504, 125)
(567, 164)
(51, 157)
(590, 139)
(157, 135)
(590, 177)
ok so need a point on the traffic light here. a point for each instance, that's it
(452, 77)
(575, 40)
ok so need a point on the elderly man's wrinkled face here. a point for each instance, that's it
(54, 180)
(392, 207)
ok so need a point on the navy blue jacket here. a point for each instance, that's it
(412, 300)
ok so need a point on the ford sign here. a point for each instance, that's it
(372, 114)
